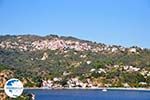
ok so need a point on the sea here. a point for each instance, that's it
(90, 94)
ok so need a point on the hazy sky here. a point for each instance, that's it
(121, 22)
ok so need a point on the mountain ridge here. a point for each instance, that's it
(60, 41)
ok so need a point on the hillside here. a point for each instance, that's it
(55, 61)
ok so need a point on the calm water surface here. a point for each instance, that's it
(89, 95)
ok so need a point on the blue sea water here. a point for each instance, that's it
(89, 95)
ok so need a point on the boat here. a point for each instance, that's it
(104, 90)
(31, 96)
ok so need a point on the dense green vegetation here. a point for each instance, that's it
(28, 65)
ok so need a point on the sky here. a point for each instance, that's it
(114, 22)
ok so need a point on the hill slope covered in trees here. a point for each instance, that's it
(35, 59)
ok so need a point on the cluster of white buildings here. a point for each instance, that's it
(131, 68)
(48, 44)
(71, 83)
(128, 68)
(58, 43)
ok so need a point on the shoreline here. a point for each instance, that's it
(101, 88)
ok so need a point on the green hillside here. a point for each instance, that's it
(113, 66)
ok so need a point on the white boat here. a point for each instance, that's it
(104, 90)
(33, 96)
